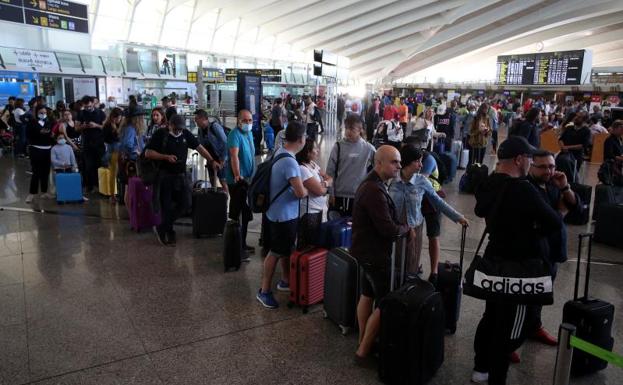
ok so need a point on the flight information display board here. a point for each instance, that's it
(268, 75)
(546, 68)
(56, 14)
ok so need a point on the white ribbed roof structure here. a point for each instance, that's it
(383, 39)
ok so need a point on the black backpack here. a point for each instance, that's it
(259, 189)
(441, 168)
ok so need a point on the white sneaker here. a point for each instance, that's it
(85, 198)
(479, 377)
(48, 196)
(29, 198)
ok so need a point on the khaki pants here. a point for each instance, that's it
(413, 250)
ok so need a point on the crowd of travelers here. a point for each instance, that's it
(382, 172)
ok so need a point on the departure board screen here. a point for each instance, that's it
(547, 68)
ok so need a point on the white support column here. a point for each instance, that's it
(191, 24)
(218, 16)
(164, 17)
(131, 23)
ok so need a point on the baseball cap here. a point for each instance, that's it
(515, 146)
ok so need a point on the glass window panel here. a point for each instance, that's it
(131, 62)
(149, 62)
(112, 64)
(181, 65)
(68, 60)
(92, 63)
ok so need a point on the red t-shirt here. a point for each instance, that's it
(390, 112)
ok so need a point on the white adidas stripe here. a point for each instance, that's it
(520, 316)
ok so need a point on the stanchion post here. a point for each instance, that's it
(562, 370)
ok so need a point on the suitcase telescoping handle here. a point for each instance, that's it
(213, 169)
(588, 265)
(403, 248)
(462, 256)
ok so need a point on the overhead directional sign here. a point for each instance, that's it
(55, 14)
(50, 20)
(61, 7)
(8, 13)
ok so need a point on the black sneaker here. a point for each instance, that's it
(160, 236)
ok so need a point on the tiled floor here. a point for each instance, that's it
(84, 300)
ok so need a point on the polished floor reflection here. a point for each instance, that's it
(85, 300)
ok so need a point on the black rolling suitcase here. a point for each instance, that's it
(608, 225)
(580, 217)
(449, 285)
(209, 210)
(341, 289)
(604, 194)
(411, 344)
(592, 319)
(232, 251)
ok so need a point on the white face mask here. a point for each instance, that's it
(42, 116)
(247, 127)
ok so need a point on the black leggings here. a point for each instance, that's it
(40, 162)
(477, 155)
(92, 161)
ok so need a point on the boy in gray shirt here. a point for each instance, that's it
(350, 161)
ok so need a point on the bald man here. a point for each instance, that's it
(375, 228)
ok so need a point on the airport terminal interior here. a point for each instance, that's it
(85, 298)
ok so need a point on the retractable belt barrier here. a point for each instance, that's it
(596, 351)
(567, 341)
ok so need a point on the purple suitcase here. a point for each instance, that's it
(140, 208)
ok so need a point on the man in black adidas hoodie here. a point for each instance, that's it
(517, 229)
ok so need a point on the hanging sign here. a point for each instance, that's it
(40, 60)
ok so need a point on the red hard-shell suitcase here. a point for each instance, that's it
(140, 208)
(307, 268)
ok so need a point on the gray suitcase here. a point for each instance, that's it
(341, 289)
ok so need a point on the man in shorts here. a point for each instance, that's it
(286, 188)
(375, 227)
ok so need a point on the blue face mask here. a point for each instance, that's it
(61, 141)
(285, 125)
(247, 127)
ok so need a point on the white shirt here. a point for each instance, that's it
(317, 203)
(17, 114)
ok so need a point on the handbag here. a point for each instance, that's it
(149, 169)
(526, 281)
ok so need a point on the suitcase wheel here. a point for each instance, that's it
(344, 330)
(305, 310)
(451, 330)
(290, 305)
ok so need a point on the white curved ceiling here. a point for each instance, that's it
(383, 39)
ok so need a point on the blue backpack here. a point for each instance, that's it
(259, 189)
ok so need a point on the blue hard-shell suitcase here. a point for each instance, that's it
(68, 187)
(336, 233)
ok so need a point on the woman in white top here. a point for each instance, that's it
(317, 183)
(426, 122)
